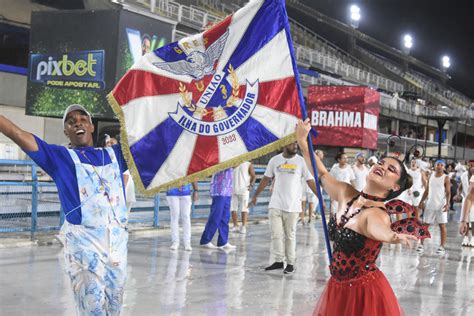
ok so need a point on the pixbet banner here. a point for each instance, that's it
(77, 56)
(344, 116)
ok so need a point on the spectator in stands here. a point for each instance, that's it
(90, 188)
(244, 179)
(435, 203)
(288, 169)
(218, 220)
(341, 171)
(179, 202)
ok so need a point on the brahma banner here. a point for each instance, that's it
(344, 116)
(211, 100)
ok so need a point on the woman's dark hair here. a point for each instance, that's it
(405, 182)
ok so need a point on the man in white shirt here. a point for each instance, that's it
(435, 202)
(287, 169)
(360, 171)
(244, 179)
(341, 171)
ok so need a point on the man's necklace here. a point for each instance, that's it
(103, 185)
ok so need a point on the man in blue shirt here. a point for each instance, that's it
(91, 191)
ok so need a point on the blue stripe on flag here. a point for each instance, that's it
(168, 52)
(151, 151)
(293, 62)
(255, 135)
(265, 25)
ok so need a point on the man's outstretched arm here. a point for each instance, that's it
(22, 138)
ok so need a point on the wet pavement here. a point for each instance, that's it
(214, 282)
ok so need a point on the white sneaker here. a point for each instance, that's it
(441, 250)
(420, 248)
(235, 229)
(228, 246)
(471, 243)
(209, 245)
(243, 230)
(465, 242)
(188, 247)
(174, 246)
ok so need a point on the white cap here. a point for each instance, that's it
(75, 107)
(373, 159)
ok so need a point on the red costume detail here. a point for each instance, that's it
(410, 226)
(357, 286)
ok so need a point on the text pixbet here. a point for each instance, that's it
(66, 67)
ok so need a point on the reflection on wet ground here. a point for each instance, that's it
(214, 282)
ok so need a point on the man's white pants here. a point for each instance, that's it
(283, 230)
(180, 207)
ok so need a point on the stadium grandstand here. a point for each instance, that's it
(412, 93)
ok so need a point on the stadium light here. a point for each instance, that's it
(446, 62)
(407, 43)
(355, 16)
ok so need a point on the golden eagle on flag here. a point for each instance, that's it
(211, 100)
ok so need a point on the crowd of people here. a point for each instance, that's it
(93, 184)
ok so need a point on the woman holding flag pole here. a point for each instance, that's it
(360, 225)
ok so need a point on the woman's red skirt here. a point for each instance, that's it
(369, 295)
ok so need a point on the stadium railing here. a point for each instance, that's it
(31, 204)
(192, 16)
(460, 105)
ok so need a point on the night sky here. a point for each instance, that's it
(437, 27)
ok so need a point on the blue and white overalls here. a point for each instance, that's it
(95, 252)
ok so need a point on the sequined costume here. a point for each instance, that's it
(357, 286)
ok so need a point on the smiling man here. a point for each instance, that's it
(90, 188)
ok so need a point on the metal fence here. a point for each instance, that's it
(28, 204)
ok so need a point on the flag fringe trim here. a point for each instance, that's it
(195, 176)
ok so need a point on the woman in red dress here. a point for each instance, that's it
(361, 224)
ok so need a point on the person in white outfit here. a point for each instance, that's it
(463, 191)
(342, 172)
(179, 202)
(415, 192)
(360, 171)
(309, 198)
(285, 203)
(435, 202)
(468, 208)
(243, 181)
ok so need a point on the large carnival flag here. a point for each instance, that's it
(211, 100)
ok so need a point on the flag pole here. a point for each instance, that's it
(304, 116)
(320, 196)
